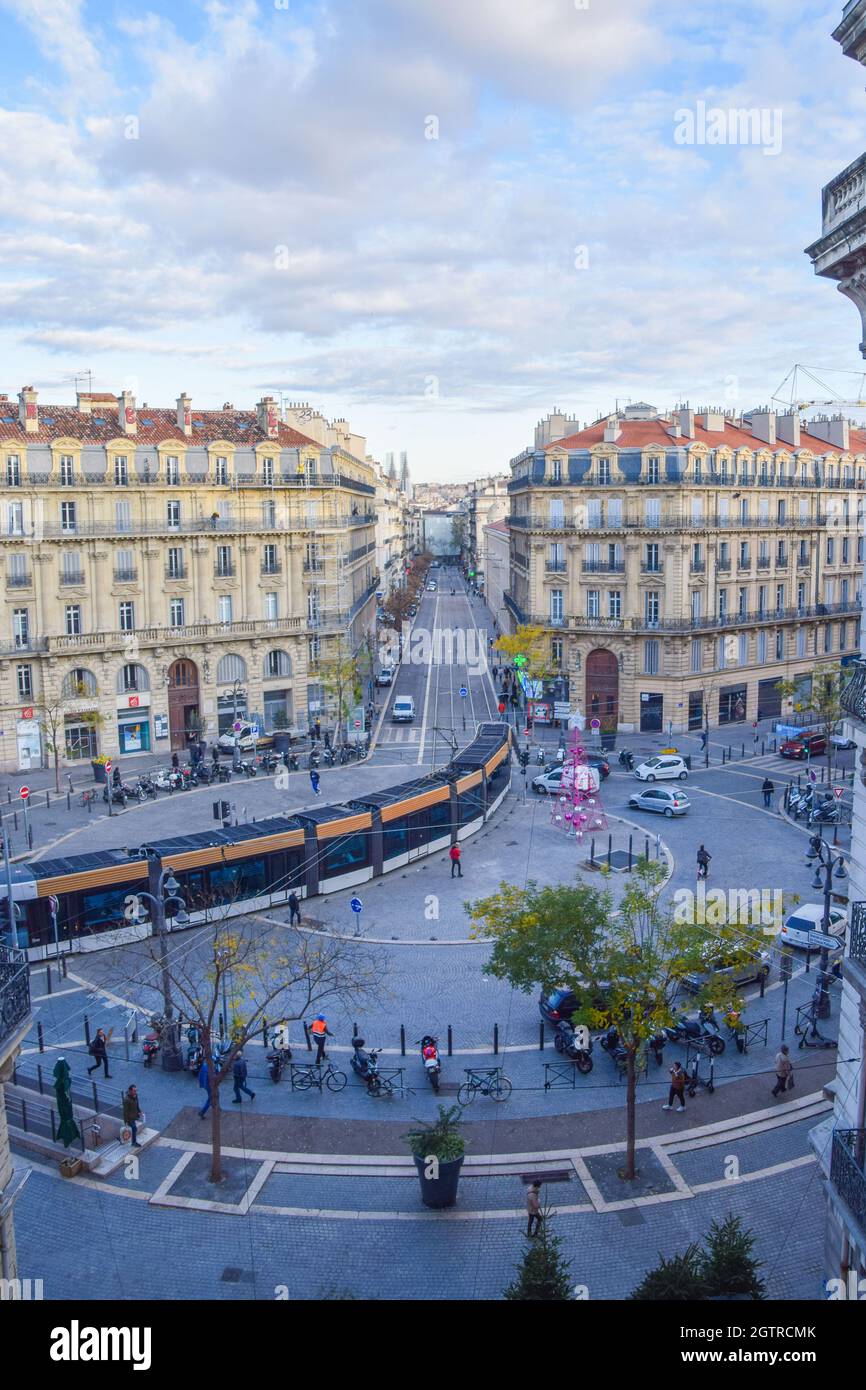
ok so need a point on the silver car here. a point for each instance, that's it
(668, 801)
(751, 970)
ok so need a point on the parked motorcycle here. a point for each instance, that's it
(566, 1043)
(153, 1040)
(293, 763)
(365, 1065)
(703, 1028)
(247, 769)
(626, 760)
(194, 1051)
(120, 794)
(168, 779)
(147, 786)
(800, 802)
(431, 1060)
(826, 812)
(278, 1056)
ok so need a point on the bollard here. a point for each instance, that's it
(629, 853)
(308, 1039)
(541, 1036)
(762, 984)
(402, 1040)
(39, 1077)
(9, 797)
(89, 808)
(496, 1040)
(609, 849)
(265, 1031)
(355, 1033)
(69, 801)
(53, 1128)
(48, 986)
(15, 819)
(126, 1039)
(95, 1098)
(63, 967)
(87, 1030)
(742, 750)
(40, 1036)
(763, 747)
(48, 801)
(29, 836)
(646, 848)
(592, 851)
(450, 1042)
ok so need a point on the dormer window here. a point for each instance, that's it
(699, 469)
(604, 470)
(222, 471)
(556, 470)
(653, 470)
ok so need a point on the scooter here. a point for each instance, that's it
(430, 1058)
(248, 769)
(827, 812)
(153, 1040)
(293, 763)
(119, 794)
(799, 802)
(328, 756)
(626, 760)
(565, 1042)
(365, 1065)
(195, 1051)
(277, 1057)
(146, 787)
(694, 1030)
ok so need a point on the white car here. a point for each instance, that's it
(661, 768)
(385, 676)
(431, 588)
(840, 741)
(245, 738)
(803, 928)
(550, 781)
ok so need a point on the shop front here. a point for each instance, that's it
(80, 739)
(651, 712)
(696, 709)
(732, 704)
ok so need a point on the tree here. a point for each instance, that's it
(823, 702)
(458, 533)
(624, 964)
(528, 651)
(728, 1265)
(395, 609)
(544, 1273)
(50, 714)
(341, 681)
(677, 1280)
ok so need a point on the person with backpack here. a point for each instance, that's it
(239, 1077)
(784, 1071)
(678, 1089)
(704, 858)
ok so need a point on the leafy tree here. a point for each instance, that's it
(728, 1266)
(528, 650)
(822, 705)
(395, 609)
(677, 1280)
(341, 681)
(543, 1275)
(50, 713)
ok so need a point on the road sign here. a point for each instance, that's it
(237, 726)
(53, 905)
(595, 723)
(463, 692)
(24, 792)
(254, 730)
(108, 766)
(837, 792)
(356, 904)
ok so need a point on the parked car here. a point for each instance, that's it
(600, 763)
(803, 746)
(665, 800)
(749, 971)
(403, 709)
(431, 588)
(561, 1003)
(385, 676)
(658, 769)
(245, 739)
(804, 928)
(842, 741)
(550, 780)
(412, 611)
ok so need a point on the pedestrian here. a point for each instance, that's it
(533, 1208)
(132, 1115)
(239, 1076)
(314, 781)
(454, 856)
(703, 857)
(327, 739)
(767, 788)
(678, 1088)
(320, 1031)
(495, 670)
(215, 756)
(175, 761)
(204, 1082)
(99, 1053)
(317, 730)
(514, 699)
(294, 908)
(784, 1071)
(703, 739)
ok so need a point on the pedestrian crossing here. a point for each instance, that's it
(391, 735)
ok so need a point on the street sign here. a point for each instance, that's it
(237, 726)
(27, 712)
(254, 730)
(813, 776)
(595, 723)
(24, 792)
(837, 792)
(356, 904)
(108, 767)
(463, 692)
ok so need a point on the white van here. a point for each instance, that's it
(403, 709)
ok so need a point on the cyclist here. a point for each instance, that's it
(704, 858)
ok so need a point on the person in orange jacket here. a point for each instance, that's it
(454, 856)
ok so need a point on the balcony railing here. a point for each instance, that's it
(125, 576)
(675, 521)
(175, 571)
(702, 624)
(271, 567)
(723, 565)
(603, 566)
(72, 576)
(14, 990)
(555, 566)
(857, 938)
(853, 694)
(652, 567)
(848, 1170)
(19, 581)
(224, 571)
(697, 566)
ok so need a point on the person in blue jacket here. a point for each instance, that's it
(204, 1082)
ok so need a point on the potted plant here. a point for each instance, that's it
(98, 765)
(438, 1150)
(282, 738)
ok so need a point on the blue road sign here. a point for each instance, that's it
(356, 904)
(463, 692)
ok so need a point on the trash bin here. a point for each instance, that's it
(70, 1167)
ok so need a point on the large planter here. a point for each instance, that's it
(282, 741)
(99, 774)
(441, 1191)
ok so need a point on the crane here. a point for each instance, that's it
(794, 402)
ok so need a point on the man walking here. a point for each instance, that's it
(294, 909)
(703, 739)
(320, 1032)
(533, 1208)
(132, 1115)
(767, 788)
(204, 1082)
(678, 1089)
(239, 1077)
(314, 781)
(454, 856)
(784, 1071)
(99, 1053)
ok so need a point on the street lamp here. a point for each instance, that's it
(833, 866)
(166, 889)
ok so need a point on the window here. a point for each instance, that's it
(651, 607)
(314, 649)
(780, 598)
(270, 563)
(224, 608)
(781, 553)
(121, 472)
(224, 560)
(652, 511)
(67, 470)
(831, 550)
(557, 513)
(744, 553)
(556, 651)
(742, 602)
(593, 603)
(845, 550)
(828, 637)
(13, 471)
(272, 606)
(15, 518)
(172, 514)
(801, 641)
(720, 653)
(175, 562)
(781, 509)
(762, 646)
(131, 678)
(556, 605)
(723, 603)
(593, 514)
(762, 598)
(845, 593)
(277, 663)
(697, 511)
(604, 470)
(614, 603)
(21, 626)
(126, 612)
(122, 516)
(172, 471)
(653, 470)
(222, 471)
(843, 636)
(801, 598)
(73, 619)
(71, 568)
(651, 657)
(699, 470)
(176, 613)
(267, 471)
(269, 513)
(556, 470)
(124, 564)
(24, 678)
(231, 668)
(763, 556)
(743, 649)
(859, 550)
(67, 516)
(695, 604)
(342, 854)
(556, 557)
(652, 557)
(79, 681)
(696, 654)
(614, 512)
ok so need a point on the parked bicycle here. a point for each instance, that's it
(88, 796)
(491, 1082)
(316, 1076)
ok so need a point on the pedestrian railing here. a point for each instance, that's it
(85, 1094)
(559, 1076)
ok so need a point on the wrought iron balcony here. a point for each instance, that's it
(848, 1170)
(125, 576)
(555, 566)
(14, 990)
(72, 576)
(19, 581)
(857, 939)
(603, 566)
(853, 695)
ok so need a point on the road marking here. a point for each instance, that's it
(427, 690)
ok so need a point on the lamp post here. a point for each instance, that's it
(833, 865)
(165, 890)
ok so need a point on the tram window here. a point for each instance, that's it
(440, 819)
(343, 853)
(470, 805)
(497, 781)
(245, 879)
(286, 870)
(395, 840)
(105, 911)
(193, 890)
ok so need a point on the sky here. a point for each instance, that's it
(437, 219)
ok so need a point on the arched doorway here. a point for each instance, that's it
(182, 702)
(602, 689)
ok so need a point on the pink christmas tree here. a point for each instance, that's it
(578, 807)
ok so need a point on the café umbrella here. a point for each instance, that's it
(68, 1130)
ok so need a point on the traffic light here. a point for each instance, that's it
(524, 757)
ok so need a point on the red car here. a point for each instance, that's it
(804, 746)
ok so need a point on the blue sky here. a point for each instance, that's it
(282, 221)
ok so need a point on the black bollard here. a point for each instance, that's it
(48, 801)
(63, 967)
(629, 853)
(450, 1042)
(89, 808)
(69, 801)
(15, 819)
(763, 747)
(763, 982)
(87, 1030)
(646, 849)
(39, 1078)
(95, 1097)
(40, 1037)
(609, 849)
(496, 1040)
(541, 1036)
(307, 1036)
(592, 851)
(48, 985)
(402, 1040)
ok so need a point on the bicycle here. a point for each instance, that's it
(314, 1076)
(87, 797)
(492, 1082)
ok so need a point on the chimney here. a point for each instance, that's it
(128, 420)
(788, 429)
(674, 429)
(687, 422)
(763, 425)
(184, 414)
(267, 417)
(612, 429)
(713, 421)
(28, 410)
(835, 431)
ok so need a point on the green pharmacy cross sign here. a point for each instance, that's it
(519, 661)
